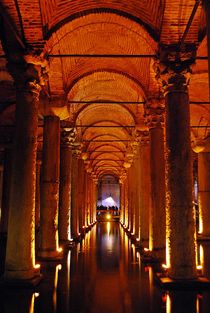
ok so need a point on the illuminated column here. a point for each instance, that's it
(49, 248)
(67, 136)
(80, 194)
(204, 193)
(145, 189)
(37, 204)
(86, 200)
(74, 194)
(181, 230)
(95, 185)
(121, 201)
(154, 120)
(126, 201)
(20, 252)
(5, 191)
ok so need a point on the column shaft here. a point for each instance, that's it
(20, 254)
(50, 189)
(145, 193)
(180, 215)
(74, 194)
(158, 216)
(65, 193)
(6, 184)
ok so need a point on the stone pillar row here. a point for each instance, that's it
(45, 198)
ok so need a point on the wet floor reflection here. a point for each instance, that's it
(102, 274)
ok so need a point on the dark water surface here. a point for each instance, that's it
(103, 274)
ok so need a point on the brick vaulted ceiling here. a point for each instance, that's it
(57, 27)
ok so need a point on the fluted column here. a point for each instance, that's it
(145, 189)
(49, 245)
(6, 191)
(181, 229)
(20, 252)
(204, 192)
(154, 119)
(67, 137)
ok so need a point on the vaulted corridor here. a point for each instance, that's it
(104, 155)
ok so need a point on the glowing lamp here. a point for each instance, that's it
(146, 250)
(36, 294)
(60, 249)
(108, 216)
(199, 267)
(59, 267)
(165, 266)
(37, 266)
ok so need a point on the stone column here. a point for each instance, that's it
(181, 231)
(145, 190)
(204, 192)
(6, 191)
(67, 136)
(49, 245)
(37, 204)
(154, 120)
(126, 201)
(20, 252)
(80, 195)
(74, 194)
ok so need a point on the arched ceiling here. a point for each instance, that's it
(112, 89)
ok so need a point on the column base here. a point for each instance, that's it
(50, 255)
(28, 279)
(181, 284)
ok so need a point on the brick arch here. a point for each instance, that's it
(98, 34)
(148, 13)
(103, 86)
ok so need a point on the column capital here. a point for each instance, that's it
(173, 69)
(68, 137)
(145, 139)
(29, 74)
(154, 117)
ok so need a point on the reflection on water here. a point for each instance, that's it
(104, 274)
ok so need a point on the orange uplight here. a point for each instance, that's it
(37, 266)
(59, 266)
(108, 216)
(165, 266)
(146, 249)
(36, 294)
(199, 267)
(60, 249)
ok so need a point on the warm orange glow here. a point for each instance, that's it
(60, 249)
(137, 239)
(199, 267)
(37, 266)
(168, 262)
(108, 216)
(146, 249)
(165, 266)
(168, 303)
(59, 267)
(36, 294)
